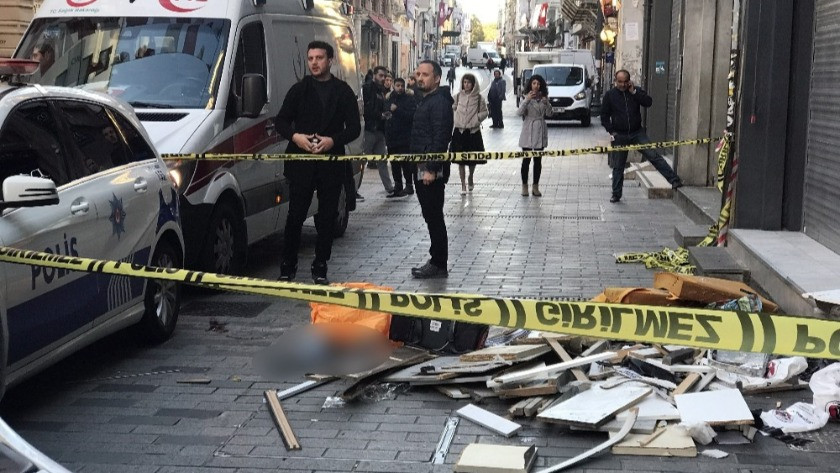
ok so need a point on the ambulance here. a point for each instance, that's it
(203, 76)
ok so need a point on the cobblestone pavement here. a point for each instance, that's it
(118, 406)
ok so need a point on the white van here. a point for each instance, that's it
(569, 91)
(477, 57)
(204, 76)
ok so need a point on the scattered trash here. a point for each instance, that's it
(445, 440)
(714, 453)
(280, 420)
(333, 401)
(383, 391)
(701, 432)
(825, 384)
(800, 417)
(485, 418)
(486, 458)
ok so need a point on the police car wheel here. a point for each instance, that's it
(162, 298)
(343, 217)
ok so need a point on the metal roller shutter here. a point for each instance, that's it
(822, 169)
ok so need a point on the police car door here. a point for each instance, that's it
(126, 188)
(46, 307)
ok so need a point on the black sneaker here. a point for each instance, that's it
(408, 191)
(287, 272)
(319, 273)
(676, 185)
(360, 197)
(614, 199)
(429, 271)
(395, 193)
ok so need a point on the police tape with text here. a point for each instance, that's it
(702, 328)
(450, 156)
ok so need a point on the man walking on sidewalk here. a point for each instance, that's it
(621, 116)
(373, 94)
(319, 116)
(430, 133)
(495, 96)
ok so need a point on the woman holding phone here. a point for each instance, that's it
(534, 136)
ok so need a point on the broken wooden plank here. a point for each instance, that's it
(453, 392)
(414, 372)
(723, 407)
(655, 408)
(549, 370)
(687, 383)
(487, 419)
(595, 406)
(486, 458)
(352, 385)
(531, 408)
(528, 391)
(302, 387)
(678, 356)
(625, 429)
(507, 353)
(564, 355)
(280, 420)
(518, 409)
(704, 381)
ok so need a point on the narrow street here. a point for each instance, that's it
(120, 406)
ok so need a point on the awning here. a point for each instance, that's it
(383, 23)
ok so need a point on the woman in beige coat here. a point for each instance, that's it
(470, 110)
(534, 135)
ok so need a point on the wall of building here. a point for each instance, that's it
(631, 36)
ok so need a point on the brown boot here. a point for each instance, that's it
(535, 190)
(524, 190)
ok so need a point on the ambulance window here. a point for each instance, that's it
(250, 59)
(95, 139)
(29, 144)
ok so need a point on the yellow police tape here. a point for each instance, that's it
(449, 156)
(703, 328)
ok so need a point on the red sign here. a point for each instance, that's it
(180, 6)
(79, 3)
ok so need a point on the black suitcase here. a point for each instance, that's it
(443, 336)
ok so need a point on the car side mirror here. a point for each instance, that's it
(254, 95)
(28, 191)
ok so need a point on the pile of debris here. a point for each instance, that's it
(649, 399)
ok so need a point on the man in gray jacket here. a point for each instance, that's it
(430, 133)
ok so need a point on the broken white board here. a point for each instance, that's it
(595, 406)
(723, 407)
(654, 407)
(671, 441)
(485, 418)
(485, 458)
(548, 371)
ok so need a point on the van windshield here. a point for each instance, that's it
(148, 62)
(560, 75)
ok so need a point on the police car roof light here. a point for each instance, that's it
(18, 66)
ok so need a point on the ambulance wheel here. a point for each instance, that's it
(162, 298)
(224, 246)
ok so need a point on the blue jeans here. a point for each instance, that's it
(618, 159)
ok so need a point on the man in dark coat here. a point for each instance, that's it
(430, 133)
(319, 116)
(398, 137)
(495, 96)
(373, 94)
(621, 116)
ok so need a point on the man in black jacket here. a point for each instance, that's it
(373, 94)
(398, 137)
(621, 115)
(430, 133)
(319, 116)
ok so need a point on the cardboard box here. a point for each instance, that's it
(638, 295)
(706, 290)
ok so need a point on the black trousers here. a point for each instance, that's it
(431, 203)
(526, 163)
(618, 159)
(304, 179)
(402, 169)
(496, 112)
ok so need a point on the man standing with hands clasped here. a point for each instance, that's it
(430, 133)
(319, 116)
(621, 115)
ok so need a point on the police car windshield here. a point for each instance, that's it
(560, 75)
(156, 62)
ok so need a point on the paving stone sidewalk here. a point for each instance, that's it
(121, 406)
